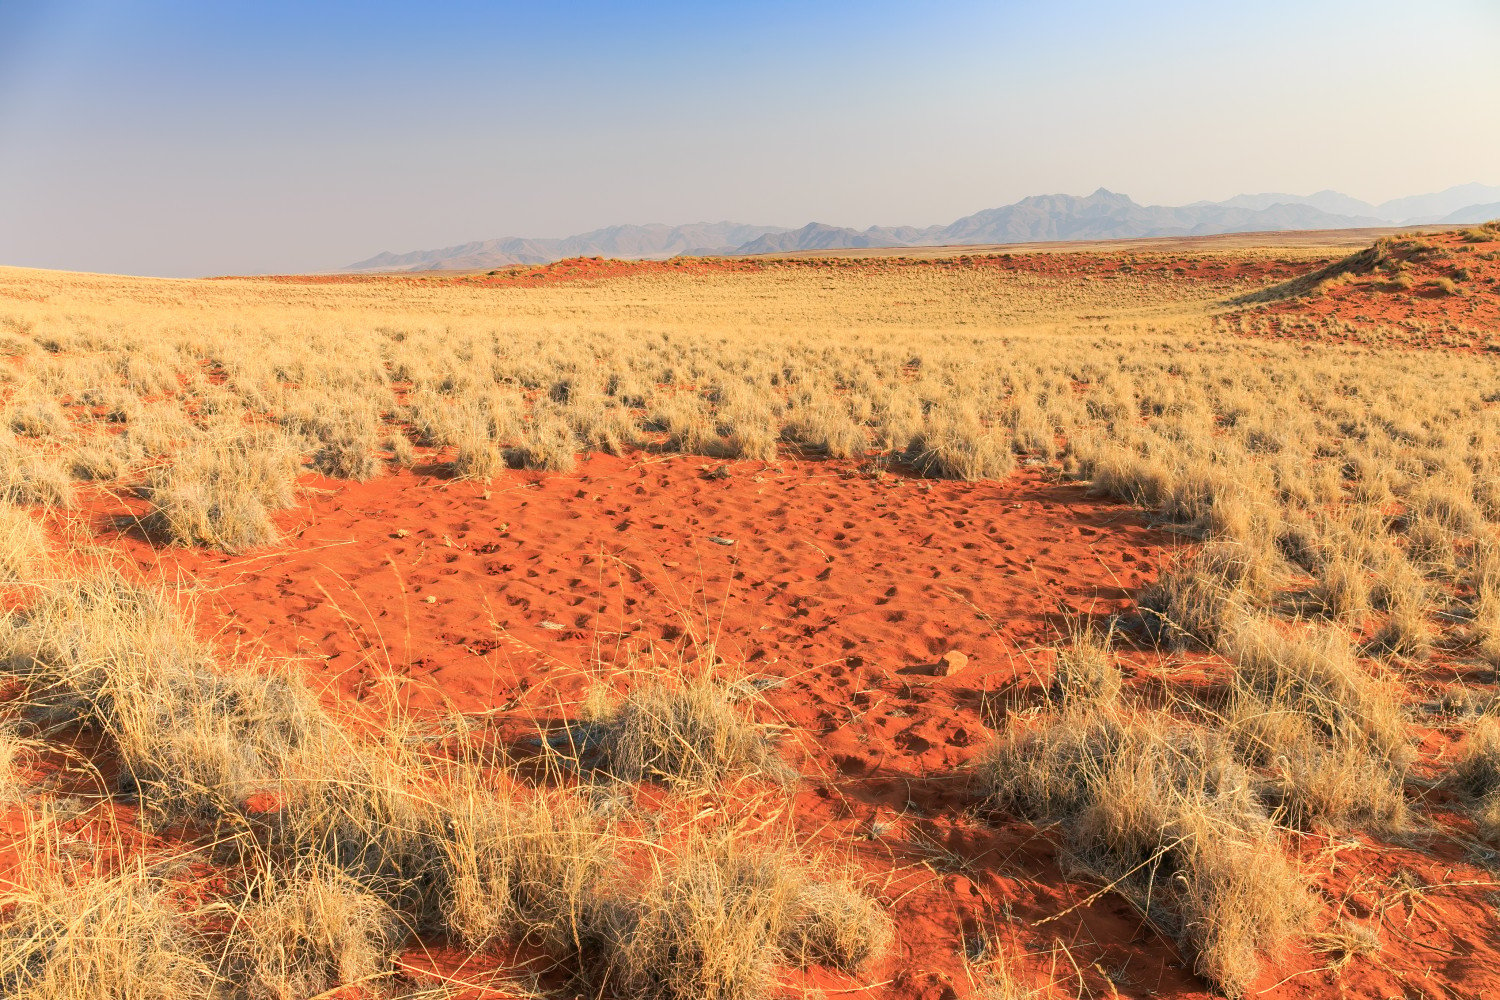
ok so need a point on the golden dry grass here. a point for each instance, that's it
(1354, 486)
(1164, 815)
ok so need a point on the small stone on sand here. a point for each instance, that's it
(951, 663)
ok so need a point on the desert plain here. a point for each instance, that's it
(1088, 621)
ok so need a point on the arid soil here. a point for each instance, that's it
(495, 599)
(846, 589)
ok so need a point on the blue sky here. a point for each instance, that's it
(198, 138)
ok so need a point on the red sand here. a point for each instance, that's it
(498, 597)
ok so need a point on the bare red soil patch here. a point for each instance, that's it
(841, 590)
(814, 571)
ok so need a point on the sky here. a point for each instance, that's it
(192, 138)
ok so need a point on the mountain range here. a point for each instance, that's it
(1054, 217)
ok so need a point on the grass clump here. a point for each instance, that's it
(1197, 600)
(403, 452)
(31, 479)
(828, 428)
(1476, 776)
(1163, 814)
(752, 441)
(36, 416)
(23, 545)
(1405, 597)
(193, 740)
(303, 934)
(221, 493)
(100, 461)
(1342, 588)
(361, 809)
(1333, 734)
(116, 938)
(1086, 671)
(348, 455)
(715, 921)
(547, 445)
(955, 444)
(687, 733)
(533, 870)
(832, 922)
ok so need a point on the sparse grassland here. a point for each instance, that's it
(685, 813)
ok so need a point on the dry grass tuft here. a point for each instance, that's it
(955, 444)
(221, 493)
(362, 810)
(1163, 815)
(478, 456)
(348, 456)
(30, 479)
(548, 445)
(828, 428)
(1334, 735)
(1199, 599)
(100, 461)
(36, 415)
(23, 546)
(714, 922)
(403, 452)
(686, 733)
(305, 933)
(515, 869)
(1001, 982)
(1086, 671)
(1406, 599)
(14, 752)
(1342, 588)
(193, 740)
(834, 923)
(704, 928)
(1476, 776)
(117, 937)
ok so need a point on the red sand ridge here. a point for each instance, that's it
(1444, 288)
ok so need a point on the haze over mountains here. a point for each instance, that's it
(1056, 217)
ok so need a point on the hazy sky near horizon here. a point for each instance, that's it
(190, 138)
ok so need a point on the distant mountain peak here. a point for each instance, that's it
(1104, 214)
